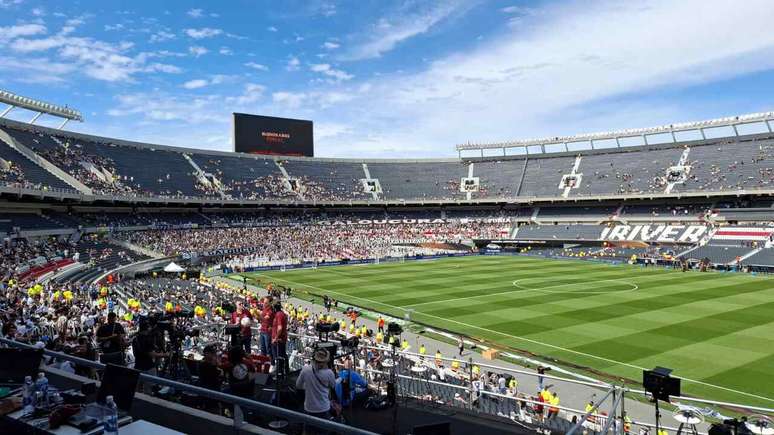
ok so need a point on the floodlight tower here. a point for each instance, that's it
(40, 107)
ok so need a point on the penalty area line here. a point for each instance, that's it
(528, 340)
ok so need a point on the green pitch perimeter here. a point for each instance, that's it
(715, 329)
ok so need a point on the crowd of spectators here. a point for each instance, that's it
(310, 241)
(95, 171)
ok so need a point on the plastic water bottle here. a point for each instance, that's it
(41, 386)
(28, 395)
(110, 426)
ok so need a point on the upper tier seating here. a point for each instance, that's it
(730, 167)
(626, 172)
(113, 167)
(324, 180)
(420, 180)
(244, 177)
(26, 173)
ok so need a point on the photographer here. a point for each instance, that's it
(240, 379)
(145, 350)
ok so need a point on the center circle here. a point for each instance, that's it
(590, 284)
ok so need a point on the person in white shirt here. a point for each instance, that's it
(317, 380)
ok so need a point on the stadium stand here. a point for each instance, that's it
(716, 253)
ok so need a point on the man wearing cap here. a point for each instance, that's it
(317, 380)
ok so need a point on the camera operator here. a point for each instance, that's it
(110, 337)
(244, 319)
(146, 352)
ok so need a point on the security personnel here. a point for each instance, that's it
(438, 358)
(404, 345)
(380, 338)
(422, 352)
(476, 371)
(380, 324)
(513, 384)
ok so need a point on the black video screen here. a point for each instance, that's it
(255, 134)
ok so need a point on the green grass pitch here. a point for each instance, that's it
(716, 330)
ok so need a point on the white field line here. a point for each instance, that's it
(528, 340)
(523, 289)
(634, 287)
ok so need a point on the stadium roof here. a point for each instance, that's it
(731, 121)
(14, 100)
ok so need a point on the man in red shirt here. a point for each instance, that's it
(267, 319)
(244, 319)
(279, 338)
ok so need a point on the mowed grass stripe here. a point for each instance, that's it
(666, 300)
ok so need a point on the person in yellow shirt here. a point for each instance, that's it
(352, 328)
(476, 371)
(455, 365)
(513, 385)
(380, 338)
(422, 352)
(391, 340)
(343, 324)
(438, 358)
(553, 411)
(404, 346)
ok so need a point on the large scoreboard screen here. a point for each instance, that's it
(257, 134)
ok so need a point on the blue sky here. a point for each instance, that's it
(404, 78)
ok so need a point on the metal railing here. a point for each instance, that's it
(211, 394)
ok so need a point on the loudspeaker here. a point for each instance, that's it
(433, 429)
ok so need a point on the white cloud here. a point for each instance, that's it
(327, 70)
(225, 51)
(11, 32)
(520, 85)
(204, 32)
(293, 64)
(195, 13)
(290, 99)
(257, 66)
(388, 32)
(330, 45)
(252, 93)
(272, 29)
(161, 36)
(38, 12)
(4, 4)
(197, 50)
(113, 27)
(195, 84)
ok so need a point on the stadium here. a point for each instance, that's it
(628, 272)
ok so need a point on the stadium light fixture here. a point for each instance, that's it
(729, 121)
(41, 107)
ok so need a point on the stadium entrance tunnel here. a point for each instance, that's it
(575, 285)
